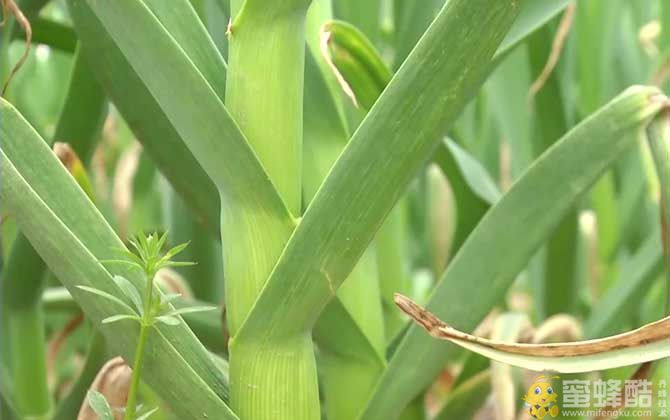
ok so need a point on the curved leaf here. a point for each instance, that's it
(493, 254)
(72, 237)
(650, 342)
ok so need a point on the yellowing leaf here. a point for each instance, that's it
(650, 342)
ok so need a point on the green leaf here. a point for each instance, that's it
(72, 237)
(107, 296)
(648, 343)
(364, 15)
(99, 404)
(179, 264)
(54, 34)
(175, 250)
(422, 100)
(493, 254)
(163, 143)
(130, 291)
(148, 414)
(189, 105)
(191, 309)
(533, 15)
(559, 291)
(169, 297)
(350, 336)
(411, 19)
(168, 320)
(116, 318)
(359, 68)
(473, 188)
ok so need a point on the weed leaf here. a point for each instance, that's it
(99, 404)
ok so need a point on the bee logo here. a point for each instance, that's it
(541, 398)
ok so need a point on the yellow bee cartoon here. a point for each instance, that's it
(541, 398)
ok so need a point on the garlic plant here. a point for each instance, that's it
(487, 159)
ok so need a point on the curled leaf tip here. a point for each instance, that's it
(427, 320)
(229, 28)
(325, 37)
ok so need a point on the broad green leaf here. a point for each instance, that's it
(72, 236)
(181, 22)
(130, 291)
(143, 114)
(367, 16)
(410, 21)
(362, 74)
(116, 318)
(412, 18)
(502, 243)
(99, 404)
(379, 162)
(648, 343)
(54, 34)
(192, 108)
(472, 186)
(533, 15)
(376, 166)
(24, 276)
(558, 291)
(349, 335)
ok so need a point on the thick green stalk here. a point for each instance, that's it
(269, 112)
(264, 93)
(265, 84)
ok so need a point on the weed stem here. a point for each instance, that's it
(145, 327)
